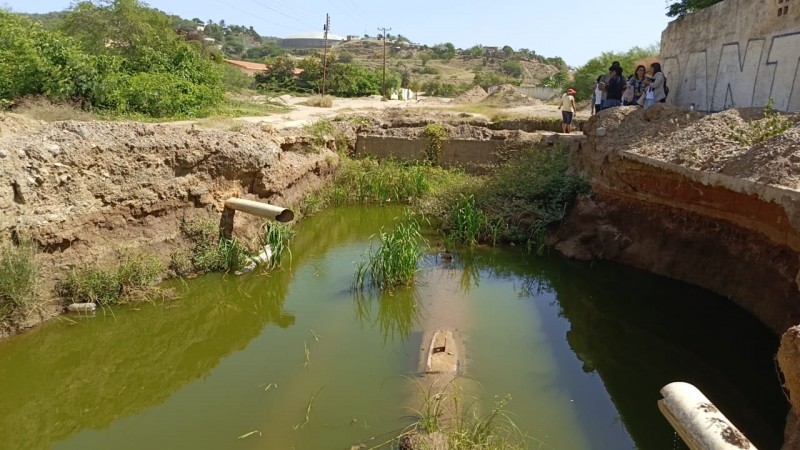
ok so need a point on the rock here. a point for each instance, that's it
(600, 131)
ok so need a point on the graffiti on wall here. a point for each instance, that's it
(738, 75)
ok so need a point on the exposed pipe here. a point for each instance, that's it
(259, 209)
(699, 423)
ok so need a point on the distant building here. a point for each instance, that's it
(309, 40)
(249, 68)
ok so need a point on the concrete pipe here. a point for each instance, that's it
(699, 423)
(259, 209)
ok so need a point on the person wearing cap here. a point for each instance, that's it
(568, 110)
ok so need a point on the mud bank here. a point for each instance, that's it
(674, 196)
(89, 192)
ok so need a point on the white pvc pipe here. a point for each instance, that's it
(81, 307)
(699, 423)
(259, 209)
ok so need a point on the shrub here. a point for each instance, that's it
(757, 131)
(319, 101)
(235, 80)
(435, 135)
(210, 253)
(18, 273)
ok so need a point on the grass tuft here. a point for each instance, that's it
(134, 276)
(210, 253)
(18, 273)
(277, 235)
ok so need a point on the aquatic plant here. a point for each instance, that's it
(18, 272)
(277, 235)
(394, 262)
(445, 413)
(468, 222)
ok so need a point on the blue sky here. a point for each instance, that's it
(576, 30)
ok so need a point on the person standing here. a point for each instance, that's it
(597, 98)
(568, 110)
(615, 85)
(637, 81)
(656, 85)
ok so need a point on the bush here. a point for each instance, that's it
(210, 253)
(235, 80)
(18, 273)
(161, 79)
(757, 131)
(435, 135)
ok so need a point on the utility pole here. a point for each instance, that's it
(327, 27)
(384, 59)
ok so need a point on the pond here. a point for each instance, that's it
(295, 359)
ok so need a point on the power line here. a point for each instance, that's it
(384, 58)
(250, 14)
(306, 24)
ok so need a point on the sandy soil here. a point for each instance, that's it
(303, 115)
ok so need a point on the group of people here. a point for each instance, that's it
(643, 88)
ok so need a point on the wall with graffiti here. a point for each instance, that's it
(736, 53)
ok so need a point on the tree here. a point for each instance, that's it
(508, 50)
(512, 68)
(684, 7)
(444, 51)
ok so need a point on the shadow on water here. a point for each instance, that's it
(81, 373)
(634, 331)
(639, 332)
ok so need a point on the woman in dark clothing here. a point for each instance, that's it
(615, 85)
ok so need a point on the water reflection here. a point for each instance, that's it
(639, 332)
(62, 378)
(397, 311)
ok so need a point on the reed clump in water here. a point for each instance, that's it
(394, 262)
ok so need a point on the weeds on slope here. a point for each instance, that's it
(18, 273)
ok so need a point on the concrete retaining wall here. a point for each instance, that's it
(469, 154)
(736, 53)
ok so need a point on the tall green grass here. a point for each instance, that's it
(277, 235)
(460, 422)
(368, 181)
(394, 262)
(18, 273)
(134, 276)
(518, 202)
(210, 252)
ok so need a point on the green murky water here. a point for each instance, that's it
(293, 359)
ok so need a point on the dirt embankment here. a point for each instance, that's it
(88, 192)
(675, 193)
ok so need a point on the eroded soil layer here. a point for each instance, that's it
(87, 193)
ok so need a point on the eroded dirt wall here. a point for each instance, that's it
(88, 193)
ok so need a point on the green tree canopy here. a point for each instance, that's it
(588, 73)
(684, 7)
